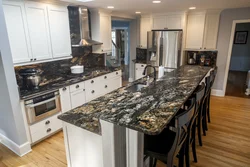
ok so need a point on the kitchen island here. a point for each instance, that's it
(108, 131)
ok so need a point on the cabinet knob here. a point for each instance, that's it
(47, 122)
(116, 73)
(35, 59)
(92, 81)
(92, 91)
(205, 48)
(142, 65)
(77, 86)
(31, 59)
(64, 88)
(83, 89)
(48, 130)
(105, 77)
(106, 86)
(200, 47)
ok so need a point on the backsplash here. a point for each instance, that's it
(211, 55)
(51, 70)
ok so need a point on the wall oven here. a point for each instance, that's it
(43, 106)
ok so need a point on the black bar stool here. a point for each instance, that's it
(212, 79)
(198, 95)
(171, 142)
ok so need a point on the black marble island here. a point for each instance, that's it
(148, 111)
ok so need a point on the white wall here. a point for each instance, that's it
(240, 60)
(226, 22)
(12, 129)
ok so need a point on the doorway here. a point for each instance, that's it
(237, 81)
(121, 48)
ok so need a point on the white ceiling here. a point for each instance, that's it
(147, 7)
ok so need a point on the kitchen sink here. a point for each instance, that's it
(136, 87)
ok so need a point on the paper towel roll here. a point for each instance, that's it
(161, 72)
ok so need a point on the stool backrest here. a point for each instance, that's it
(182, 122)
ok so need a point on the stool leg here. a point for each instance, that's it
(181, 156)
(194, 144)
(208, 111)
(199, 129)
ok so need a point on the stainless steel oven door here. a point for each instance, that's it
(42, 110)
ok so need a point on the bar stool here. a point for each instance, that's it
(212, 79)
(198, 95)
(171, 142)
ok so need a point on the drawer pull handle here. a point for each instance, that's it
(48, 130)
(92, 91)
(92, 81)
(64, 88)
(106, 86)
(77, 86)
(105, 77)
(47, 122)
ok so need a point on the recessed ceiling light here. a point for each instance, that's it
(192, 8)
(110, 7)
(156, 1)
(137, 12)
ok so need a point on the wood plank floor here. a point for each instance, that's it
(227, 143)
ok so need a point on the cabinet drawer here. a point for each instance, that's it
(111, 75)
(77, 86)
(112, 85)
(45, 128)
(140, 66)
(92, 82)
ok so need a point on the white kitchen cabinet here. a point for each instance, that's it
(202, 30)
(159, 22)
(59, 30)
(93, 88)
(139, 68)
(42, 34)
(37, 18)
(211, 30)
(78, 98)
(101, 31)
(195, 30)
(17, 31)
(65, 99)
(168, 21)
(145, 26)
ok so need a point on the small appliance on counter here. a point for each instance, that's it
(191, 58)
(31, 78)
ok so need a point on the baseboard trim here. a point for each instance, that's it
(20, 150)
(218, 93)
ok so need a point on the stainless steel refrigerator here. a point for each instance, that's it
(164, 48)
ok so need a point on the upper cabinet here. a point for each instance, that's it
(60, 37)
(168, 21)
(38, 28)
(18, 37)
(145, 26)
(42, 33)
(101, 30)
(202, 30)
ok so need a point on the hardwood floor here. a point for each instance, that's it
(227, 143)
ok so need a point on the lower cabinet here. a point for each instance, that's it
(139, 68)
(78, 98)
(76, 95)
(45, 128)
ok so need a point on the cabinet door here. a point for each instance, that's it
(195, 31)
(59, 31)
(138, 74)
(65, 99)
(105, 32)
(211, 30)
(144, 28)
(37, 18)
(159, 22)
(174, 22)
(78, 98)
(17, 31)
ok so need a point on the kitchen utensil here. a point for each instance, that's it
(77, 69)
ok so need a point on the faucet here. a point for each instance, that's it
(144, 72)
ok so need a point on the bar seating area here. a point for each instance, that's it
(173, 145)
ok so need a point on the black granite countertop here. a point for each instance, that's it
(148, 110)
(65, 79)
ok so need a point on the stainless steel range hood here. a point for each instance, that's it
(85, 29)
